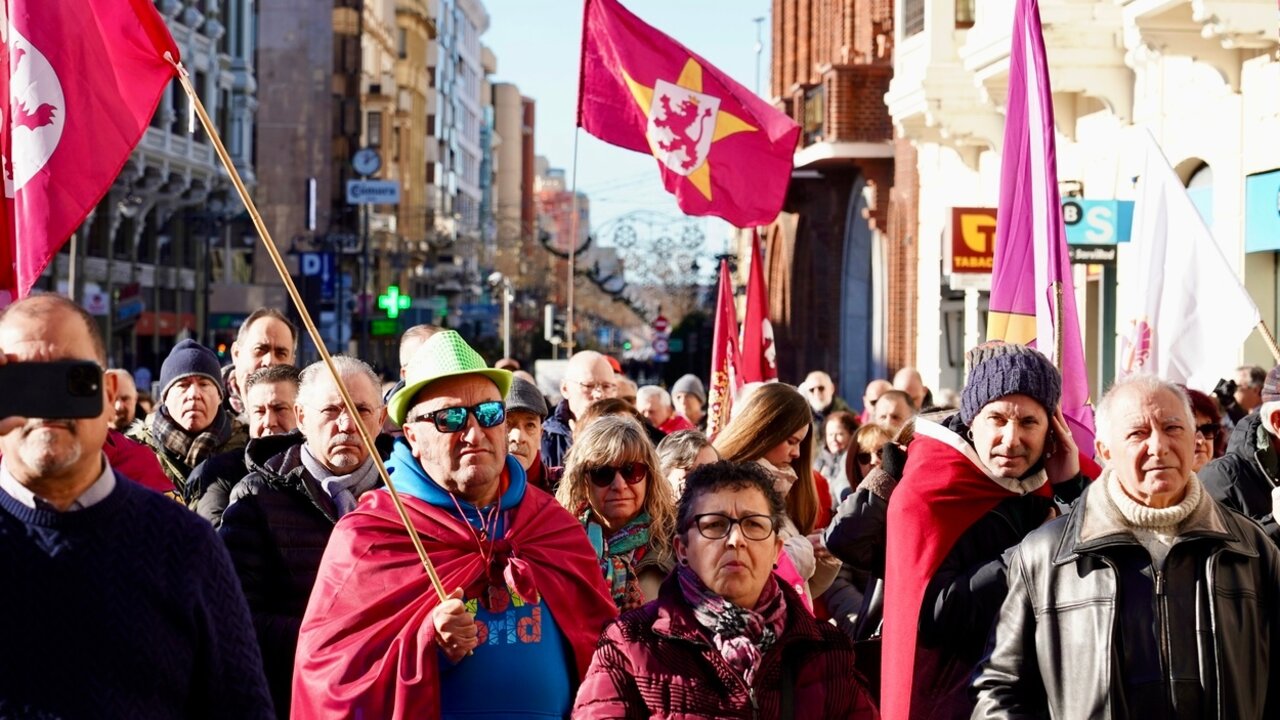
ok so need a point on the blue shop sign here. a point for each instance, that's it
(1262, 212)
(1097, 222)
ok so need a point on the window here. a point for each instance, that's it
(402, 43)
(374, 128)
(912, 17)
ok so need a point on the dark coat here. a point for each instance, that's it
(856, 536)
(657, 662)
(1244, 477)
(557, 438)
(276, 529)
(210, 483)
(1090, 630)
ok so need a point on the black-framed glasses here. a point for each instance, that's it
(490, 413)
(717, 526)
(1209, 430)
(632, 472)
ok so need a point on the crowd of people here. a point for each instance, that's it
(232, 550)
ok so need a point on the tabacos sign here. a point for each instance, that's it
(973, 240)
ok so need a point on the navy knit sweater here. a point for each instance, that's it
(127, 609)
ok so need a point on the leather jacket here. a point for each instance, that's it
(1074, 637)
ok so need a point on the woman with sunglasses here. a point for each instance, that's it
(773, 429)
(725, 638)
(612, 484)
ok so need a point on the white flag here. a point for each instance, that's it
(1188, 312)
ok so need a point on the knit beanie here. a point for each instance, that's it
(692, 385)
(526, 396)
(1271, 387)
(186, 359)
(997, 369)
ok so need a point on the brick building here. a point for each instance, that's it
(841, 259)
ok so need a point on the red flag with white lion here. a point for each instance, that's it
(81, 82)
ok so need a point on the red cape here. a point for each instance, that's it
(366, 648)
(944, 490)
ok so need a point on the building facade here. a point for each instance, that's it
(1200, 75)
(837, 268)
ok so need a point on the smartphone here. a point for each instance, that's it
(62, 389)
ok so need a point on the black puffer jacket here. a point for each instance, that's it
(276, 529)
(1244, 477)
(210, 484)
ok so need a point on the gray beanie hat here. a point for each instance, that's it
(692, 385)
(186, 359)
(997, 369)
(526, 396)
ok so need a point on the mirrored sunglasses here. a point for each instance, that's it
(488, 414)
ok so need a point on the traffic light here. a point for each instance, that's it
(626, 345)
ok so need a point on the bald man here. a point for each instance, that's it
(126, 404)
(908, 380)
(874, 390)
(589, 377)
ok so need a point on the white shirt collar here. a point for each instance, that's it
(95, 493)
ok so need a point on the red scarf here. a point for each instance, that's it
(944, 490)
(366, 648)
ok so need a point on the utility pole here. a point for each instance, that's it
(759, 48)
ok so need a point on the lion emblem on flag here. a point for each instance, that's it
(681, 125)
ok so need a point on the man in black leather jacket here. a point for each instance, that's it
(1148, 598)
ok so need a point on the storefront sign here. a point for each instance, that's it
(1097, 222)
(973, 240)
(1092, 254)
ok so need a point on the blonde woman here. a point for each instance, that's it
(613, 484)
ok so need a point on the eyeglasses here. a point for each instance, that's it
(603, 388)
(1208, 430)
(632, 472)
(488, 414)
(715, 526)
(865, 457)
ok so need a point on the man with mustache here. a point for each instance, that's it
(120, 603)
(282, 513)
(972, 488)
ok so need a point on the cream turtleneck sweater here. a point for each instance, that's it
(1154, 528)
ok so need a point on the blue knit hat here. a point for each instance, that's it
(190, 358)
(997, 369)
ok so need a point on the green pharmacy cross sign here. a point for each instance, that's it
(393, 302)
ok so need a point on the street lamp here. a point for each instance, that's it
(497, 279)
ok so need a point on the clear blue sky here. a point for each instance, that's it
(537, 44)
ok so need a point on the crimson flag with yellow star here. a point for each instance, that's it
(721, 149)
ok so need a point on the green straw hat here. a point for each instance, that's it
(442, 356)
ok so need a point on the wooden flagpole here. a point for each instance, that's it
(292, 289)
(1059, 335)
(1270, 339)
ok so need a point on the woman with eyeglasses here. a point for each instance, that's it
(613, 485)
(773, 429)
(725, 638)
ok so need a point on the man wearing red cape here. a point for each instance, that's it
(972, 488)
(527, 601)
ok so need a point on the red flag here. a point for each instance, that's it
(721, 149)
(82, 80)
(726, 379)
(759, 356)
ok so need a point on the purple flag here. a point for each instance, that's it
(1031, 243)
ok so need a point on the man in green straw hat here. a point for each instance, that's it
(527, 602)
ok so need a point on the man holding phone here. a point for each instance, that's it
(132, 614)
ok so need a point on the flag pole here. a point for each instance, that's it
(573, 243)
(292, 289)
(1059, 337)
(1271, 340)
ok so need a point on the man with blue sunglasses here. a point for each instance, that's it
(527, 602)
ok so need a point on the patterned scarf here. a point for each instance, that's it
(742, 636)
(618, 556)
(344, 489)
(190, 449)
